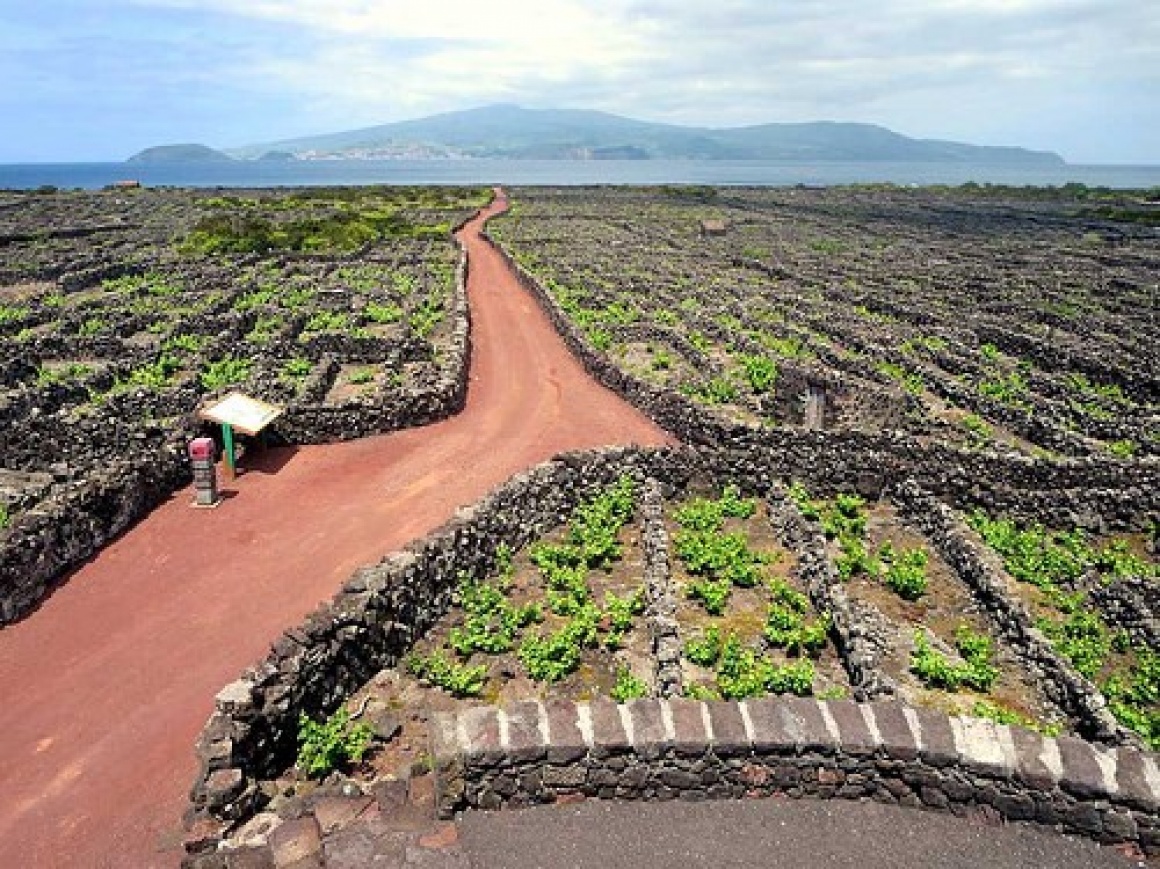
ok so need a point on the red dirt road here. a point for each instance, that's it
(104, 689)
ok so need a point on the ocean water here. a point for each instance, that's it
(561, 172)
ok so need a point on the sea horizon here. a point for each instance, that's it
(760, 173)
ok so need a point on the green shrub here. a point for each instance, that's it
(1134, 698)
(326, 746)
(706, 650)
(224, 372)
(185, 343)
(715, 390)
(12, 314)
(905, 571)
(718, 560)
(157, 374)
(627, 686)
(1124, 449)
(1081, 637)
(92, 326)
(600, 340)
(912, 383)
(760, 372)
(63, 374)
(253, 300)
(458, 679)
(426, 317)
(786, 626)
(712, 593)
(491, 624)
(936, 671)
(742, 672)
(264, 328)
(979, 432)
(247, 233)
(619, 613)
(1003, 715)
(297, 367)
(1050, 559)
(717, 555)
(382, 313)
(1008, 389)
(550, 658)
(327, 321)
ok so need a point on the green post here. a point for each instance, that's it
(228, 444)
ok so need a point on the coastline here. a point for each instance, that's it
(254, 173)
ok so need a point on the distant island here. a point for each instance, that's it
(515, 133)
(180, 154)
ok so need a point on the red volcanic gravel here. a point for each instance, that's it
(104, 688)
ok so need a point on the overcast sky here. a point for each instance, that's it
(101, 79)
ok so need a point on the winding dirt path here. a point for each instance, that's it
(103, 690)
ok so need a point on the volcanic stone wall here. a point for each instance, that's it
(1098, 494)
(660, 592)
(982, 570)
(383, 609)
(529, 753)
(828, 594)
(376, 618)
(406, 408)
(42, 544)
(1128, 604)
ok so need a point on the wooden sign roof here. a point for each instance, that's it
(247, 415)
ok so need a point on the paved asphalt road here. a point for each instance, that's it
(772, 834)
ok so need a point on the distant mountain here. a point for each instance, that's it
(513, 132)
(180, 154)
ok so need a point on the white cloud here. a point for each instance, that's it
(984, 70)
(517, 22)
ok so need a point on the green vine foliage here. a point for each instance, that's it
(721, 556)
(1003, 715)
(706, 650)
(706, 514)
(1048, 559)
(935, 671)
(332, 744)
(716, 559)
(713, 594)
(905, 570)
(224, 372)
(1081, 637)
(592, 542)
(741, 671)
(592, 539)
(1134, 698)
(462, 680)
(551, 657)
(760, 372)
(1054, 561)
(491, 623)
(619, 613)
(627, 686)
(843, 520)
(786, 625)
